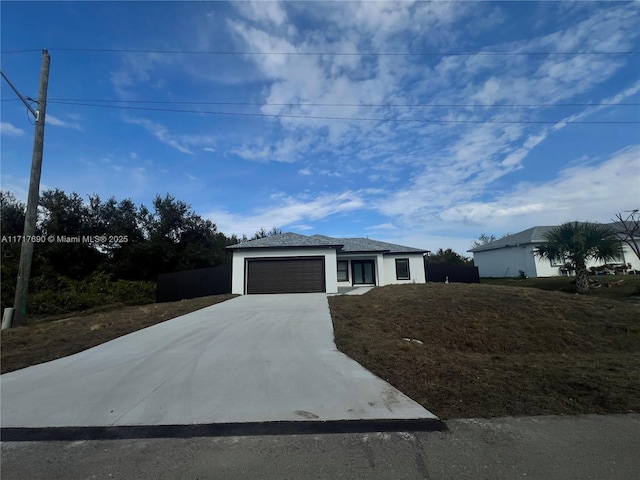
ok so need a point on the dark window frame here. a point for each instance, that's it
(373, 272)
(346, 271)
(408, 276)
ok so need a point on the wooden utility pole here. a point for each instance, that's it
(26, 250)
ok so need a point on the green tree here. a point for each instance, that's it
(448, 257)
(174, 238)
(578, 242)
(12, 212)
(483, 239)
(262, 233)
(66, 215)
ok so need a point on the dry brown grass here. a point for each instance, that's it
(48, 339)
(494, 350)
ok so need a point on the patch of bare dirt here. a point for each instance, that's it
(50, 338)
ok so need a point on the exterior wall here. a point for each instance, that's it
(238, 280)
(416, 269)
(630, 257)
(506, 262)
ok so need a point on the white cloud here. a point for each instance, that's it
(301, 226)
(8, 129)
(435, 177)
(287, 150)
(160, 132)
(383, 226)
(271, 12)
(287, 211)
(141, 69)
(592, 191)
(56, 122)
(477, 154)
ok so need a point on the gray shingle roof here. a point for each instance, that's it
(286, 240)
(530, 235)
(354, 245)
(343, 245)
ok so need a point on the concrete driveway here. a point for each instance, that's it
(251, 359)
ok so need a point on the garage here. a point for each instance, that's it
(285, 275)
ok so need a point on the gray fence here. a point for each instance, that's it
(455, 273)
(194, 283)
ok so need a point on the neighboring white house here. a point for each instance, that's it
(294, 263)
(510, 255)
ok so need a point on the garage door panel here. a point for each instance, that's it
(285, 275)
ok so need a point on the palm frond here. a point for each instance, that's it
(579, 242)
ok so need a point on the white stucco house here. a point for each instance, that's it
(294, 263)
(509, 255)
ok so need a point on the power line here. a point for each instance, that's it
(338, 54)
(22, 51)
(71, 101)
(318, 117)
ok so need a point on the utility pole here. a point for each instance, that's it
(26, 250)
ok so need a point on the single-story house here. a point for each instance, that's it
(510, 255)
(294, 263)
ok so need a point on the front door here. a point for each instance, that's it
(364, 272)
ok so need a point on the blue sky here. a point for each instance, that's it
(377, 126)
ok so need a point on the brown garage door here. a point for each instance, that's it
(285, 275)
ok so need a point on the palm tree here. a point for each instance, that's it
(578, 242)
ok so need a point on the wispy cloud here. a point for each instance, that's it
(160, 132)
(57, 122)
(301, 227)
(8, 129)
(288, 211)
(287, 150)
(595, 182)
(434, 172)
(383, 226)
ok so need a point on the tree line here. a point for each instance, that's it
(117, 239)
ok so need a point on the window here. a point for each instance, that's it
(402, 269)
(343, 271)
(364, 272)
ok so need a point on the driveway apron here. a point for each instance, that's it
(255, 358)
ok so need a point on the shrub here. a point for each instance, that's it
(64, 295)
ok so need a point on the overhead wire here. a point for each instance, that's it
(341, 54)
(315, 104)
(320, 117)
(85, 102)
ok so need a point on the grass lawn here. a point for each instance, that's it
(607, 289)
(55, 337)
(493, 350)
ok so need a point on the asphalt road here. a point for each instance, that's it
(544, 448)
